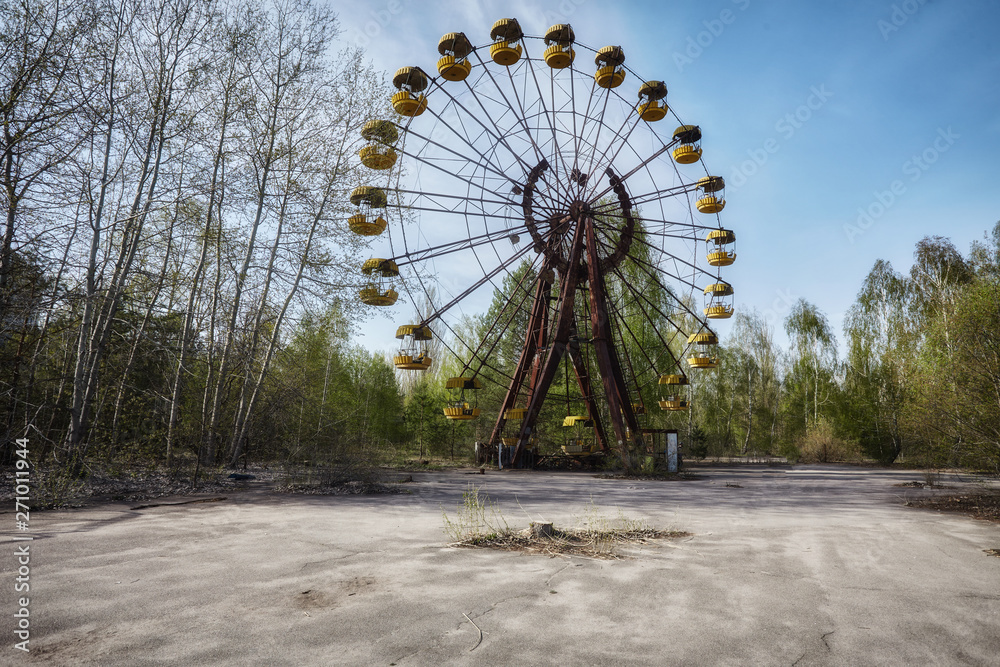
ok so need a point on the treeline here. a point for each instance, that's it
(173, 262)
(921, 377)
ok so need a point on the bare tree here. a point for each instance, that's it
(149, 78)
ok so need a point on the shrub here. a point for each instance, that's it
(820, 445)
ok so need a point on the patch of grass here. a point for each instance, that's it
(480, 523)
(478, 519)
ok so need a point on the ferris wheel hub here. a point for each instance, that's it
(579, 210)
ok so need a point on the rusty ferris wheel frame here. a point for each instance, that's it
(533, 163)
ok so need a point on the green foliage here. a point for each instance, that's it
(698, 447)
(922, 374)
(956, 412)
(810, 380)
(338, 402)
(425, 422)
(790, 451)
(877, 372)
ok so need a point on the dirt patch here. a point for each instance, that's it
(183, 502)
(51, 490)
(651, 477)
(349, 488)
(985, 506)
(137, 484)
(588, 543)
(922, 485)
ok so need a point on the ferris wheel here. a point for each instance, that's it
(540, 151)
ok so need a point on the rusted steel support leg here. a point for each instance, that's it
(622, 415)
(557, 345)
(541, 339)
(587, 390)
(536, 322)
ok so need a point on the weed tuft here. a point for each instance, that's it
(480, 523)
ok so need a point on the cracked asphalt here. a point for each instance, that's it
(804, 565)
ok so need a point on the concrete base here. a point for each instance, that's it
(802, 565)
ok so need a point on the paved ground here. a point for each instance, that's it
(805, 565)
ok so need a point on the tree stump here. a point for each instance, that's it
(541, 529)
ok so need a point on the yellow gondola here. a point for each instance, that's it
(506, 48)
(377, 292)
(559, 40)
(512, 426)
(650, 95)
(361, 225)
(576, 444)
(610, 70)
(380, 131)
(672, 385)
(366, 221)
(689, 150)
(380, 135)
(410, 82)
(719, 251)
(366, 194)
(713, 197)
(413, 354)
(703, 338)
(459, 408)
(376, 156)
(699, 358)
(718, 301)
(454, 48)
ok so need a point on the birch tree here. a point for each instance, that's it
(878, 363)
(814, 350)
(140, 100)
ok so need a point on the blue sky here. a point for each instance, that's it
(846, 131)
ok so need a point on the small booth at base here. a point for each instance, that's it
(664, 445)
